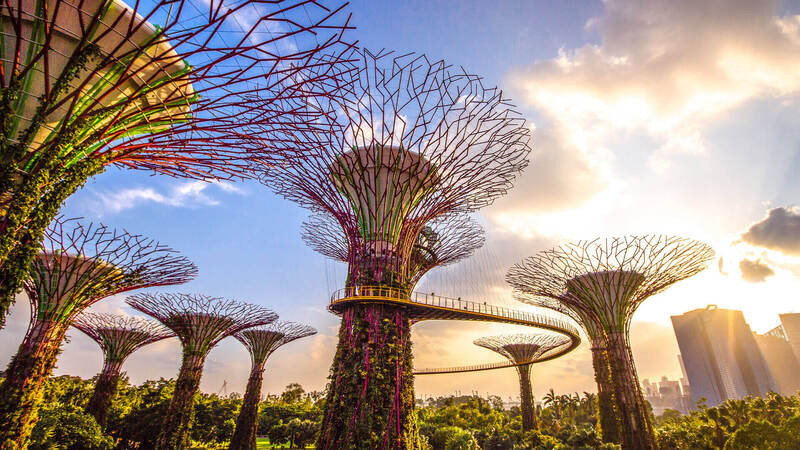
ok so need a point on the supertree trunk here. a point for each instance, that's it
(244, 438)
(34, 205)
(526, 398)
(175, 428)
(606, 409)
(635, 426)
(370, 401)
(25, 377)
(104, 390)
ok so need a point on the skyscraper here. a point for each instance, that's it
(780, 360)
(790, 323)
(720, 355)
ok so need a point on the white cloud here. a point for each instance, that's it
(185, 194)
(667, 68)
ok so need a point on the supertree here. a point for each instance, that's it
(79, 265)
(92, 83)
(608, 417)
(442, 241)
(405, 141)
(524, 350)
(200, 322)
(261, 342)
(606, 280)
(118, 337)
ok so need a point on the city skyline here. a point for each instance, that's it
(728, 186)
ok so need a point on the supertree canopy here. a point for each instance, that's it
(608, 418)
(200, 322)
(443, 241)
(405, 141)
(604, 281)
(79, 265)
(524, 350)
(164, 85)
(261, 342)
(118, 337)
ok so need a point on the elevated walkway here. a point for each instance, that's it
(422, 306)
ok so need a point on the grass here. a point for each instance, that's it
(263, 443)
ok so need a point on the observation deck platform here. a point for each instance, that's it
(422, 306)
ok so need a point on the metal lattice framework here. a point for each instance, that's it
(524, 348)
(607, 279)
(118, 337)
(97, 79)
(607, 415)
(200, 322)
(261, 342)
(406, 140)
(176, 87)
(443, 241)
(403, 142)
(80, 264)
(600, 284)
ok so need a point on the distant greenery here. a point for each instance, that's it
(449, 423)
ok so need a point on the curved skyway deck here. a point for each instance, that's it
(422, 306)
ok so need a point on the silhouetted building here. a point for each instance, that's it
(666, 394)
(685, 387)
(780, 360)
(790, 326)
(720, 355)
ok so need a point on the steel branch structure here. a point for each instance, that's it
(603, 282)
(80, 264)
(441, 242)
(167, 86)
(524, 350)
(118, 337)
(405, 141)
(608, 416)
(200, 322)
(261, 342)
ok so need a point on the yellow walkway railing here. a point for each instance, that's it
(424, 306)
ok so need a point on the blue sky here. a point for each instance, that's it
(649, 117)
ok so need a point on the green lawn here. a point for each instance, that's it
(263, 443)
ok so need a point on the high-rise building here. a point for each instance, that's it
(720, 355)
(790, 325)
(665, 394)
(780, 360)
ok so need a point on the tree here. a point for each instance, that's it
(604, 281)
(409, 141)
(524, 350)
(200, 322)
(94, 83)
(81, 265)
(68, 427)
(293, 393)
(301, 432)
(118, 337)
(261, 342)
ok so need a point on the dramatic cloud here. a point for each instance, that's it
(560, 176)
(666, 68)
(779, 231)
(755, 271)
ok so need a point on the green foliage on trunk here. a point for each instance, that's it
(370, 399)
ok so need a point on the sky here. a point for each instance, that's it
(660, 116)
